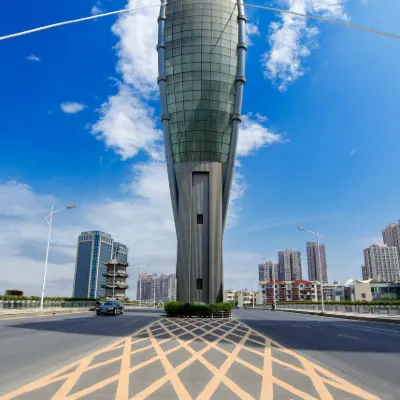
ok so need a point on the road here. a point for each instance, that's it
(366, 353)
(141, 354)
(33, 347)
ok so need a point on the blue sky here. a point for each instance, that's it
(319, 146)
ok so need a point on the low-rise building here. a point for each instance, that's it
(371, 290)
(242, 298)
(300, 290)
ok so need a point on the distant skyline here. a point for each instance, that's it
(80, 125)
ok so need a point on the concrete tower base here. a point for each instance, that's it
(199, 232)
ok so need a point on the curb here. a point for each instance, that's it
(41, 314)
(353, 317)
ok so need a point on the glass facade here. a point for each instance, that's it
(94, 252)
(104, 258)
(201, 63)
(93, 276)
(82, 270)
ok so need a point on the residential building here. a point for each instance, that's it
(151, 287)
(145, 287)
(267, 270)
(300, 290)
(334, 292)
(391, 236)
(242, 298)
(314, 260)
(364, 272)
(201, 84)
(263, 272)
(94, 251)
(289, 265)
(382, 261)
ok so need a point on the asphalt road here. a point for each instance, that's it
(33, 347)
(365, 353)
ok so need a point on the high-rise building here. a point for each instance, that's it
(201, 54)
(391, 236)
(364, 272)
(266, 271)
(120, 252)
(313, 262)
(94, 251)
(263, 272)
(289, 265)
(151, 287)
(382, 261)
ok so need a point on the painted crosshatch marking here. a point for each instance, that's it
(160, 361)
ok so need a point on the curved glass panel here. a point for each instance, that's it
(201, 63)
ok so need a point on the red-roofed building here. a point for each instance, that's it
(300, 290)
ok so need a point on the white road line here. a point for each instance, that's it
(368, 328)
(348, 336)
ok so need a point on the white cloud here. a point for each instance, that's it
(251, 31)
(72, 107)
(33, 58)
(136, 48)
(238, 190)
(253, 135)
(23, 242)
(127, 124)
(292, 39)
(96, 10)
(352, 152)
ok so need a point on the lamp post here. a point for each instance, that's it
(49, 220)
(273, 276)
(320, 266)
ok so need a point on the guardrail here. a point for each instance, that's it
(22, 304)
(367, 309)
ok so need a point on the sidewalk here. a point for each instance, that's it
(35, 312)
(392, 319)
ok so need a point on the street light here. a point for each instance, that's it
(273, 275)
(49, 220)
(320, 265)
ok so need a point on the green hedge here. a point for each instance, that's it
(344, 303)
(174, 308)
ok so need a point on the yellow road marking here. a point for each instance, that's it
(169, 329)
(171, 373)
(123, 382)
(212, 386)
(267, 390)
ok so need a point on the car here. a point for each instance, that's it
(110, 307)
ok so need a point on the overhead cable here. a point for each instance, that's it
(331, 21)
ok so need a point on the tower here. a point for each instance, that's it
(201, 59)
